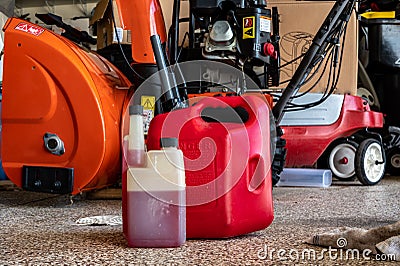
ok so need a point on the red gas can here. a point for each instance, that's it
(226, 143)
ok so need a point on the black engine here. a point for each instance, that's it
(242, 33)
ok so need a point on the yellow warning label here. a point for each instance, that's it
(248, 28)
(148, 102)
(149, 105)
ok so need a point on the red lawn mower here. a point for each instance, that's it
(337, 135)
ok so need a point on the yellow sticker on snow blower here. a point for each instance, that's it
(148, 102)
(149, 105)
(248, 28)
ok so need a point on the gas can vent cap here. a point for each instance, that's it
(169, 142)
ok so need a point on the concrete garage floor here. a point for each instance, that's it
(38, 230)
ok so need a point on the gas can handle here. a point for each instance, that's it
(218, 102)
(222, 110)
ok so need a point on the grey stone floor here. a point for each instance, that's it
(38, 230)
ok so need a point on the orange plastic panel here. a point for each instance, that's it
(52, 85)
(144, 18)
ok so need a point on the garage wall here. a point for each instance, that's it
(67, 12)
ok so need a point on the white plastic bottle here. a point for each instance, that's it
(135, 154)
(156, 199)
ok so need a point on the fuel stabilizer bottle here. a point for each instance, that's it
(156, 199)
(135, 155)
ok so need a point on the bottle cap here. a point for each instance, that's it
(260, 3)
(169, 142)
(135, 110)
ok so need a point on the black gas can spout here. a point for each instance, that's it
(171, 98)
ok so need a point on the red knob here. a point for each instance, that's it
(344, 160)
(269, 49)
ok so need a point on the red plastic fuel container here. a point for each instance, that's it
(226, 143)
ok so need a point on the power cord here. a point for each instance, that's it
(333, 79)
(119, 43)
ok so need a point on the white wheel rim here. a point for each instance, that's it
(373, 154)
(339, 166)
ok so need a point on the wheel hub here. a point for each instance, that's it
(395, 160)
(344, 160)
(341, 160)
(373, 157)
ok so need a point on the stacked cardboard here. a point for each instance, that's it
(103, 21)
(299, 22)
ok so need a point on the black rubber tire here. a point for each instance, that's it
(279, 160)
(394, 141)
(370, 168)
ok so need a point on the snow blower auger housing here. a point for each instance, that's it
(62, 107)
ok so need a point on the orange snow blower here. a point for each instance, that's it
(62, 109)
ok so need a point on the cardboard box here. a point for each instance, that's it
(102, 20)
(299, 22)
(3, 20)
(167, 8)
